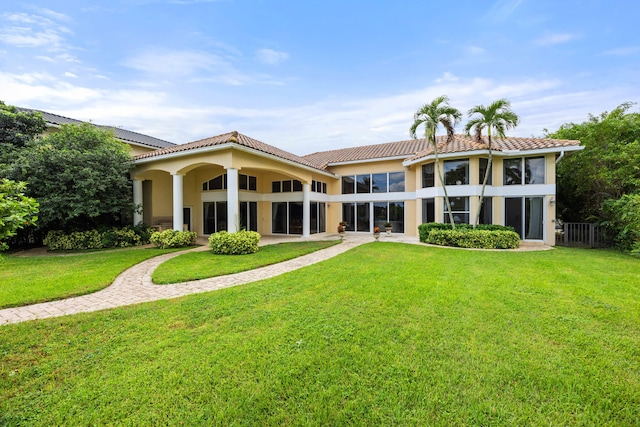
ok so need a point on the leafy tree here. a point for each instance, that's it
(16, 210)
(17, 128)
(607, 168)
(498, 117)
(623, 216)
(79, 175)
(431, 115)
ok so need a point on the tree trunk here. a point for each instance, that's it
(444, 187)
(484, 182)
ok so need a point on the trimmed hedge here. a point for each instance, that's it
(240, 243)
(484, 239)
(173, 239)
(57, 240)
(426, 228)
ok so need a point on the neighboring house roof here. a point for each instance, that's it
(402, 149)
(467, 143)
(121, 134)
(230, 138)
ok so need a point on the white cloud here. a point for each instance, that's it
(68, 74)
(476, 50)
(555, 38)
(502, 10)
(271, 57)
(447, 77)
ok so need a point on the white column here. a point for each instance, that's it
(233, 203)
(178, 203)
(306, 210)
(137, 201)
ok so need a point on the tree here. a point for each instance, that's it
(431, 115)
(17, 128)
(79, 175)
(498, 117)
(16, 210)
(607, 168)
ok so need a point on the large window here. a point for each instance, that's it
(286, 217)
(483, 169)
(215, 217)
(318, 216)
(525, 215)
(374, 183)
(392, 212)
(428, 175)
(357, 216)
(527, 170)
(428, 210)
(249, 216)
(286, 186)
(459, 209)
(456, 172)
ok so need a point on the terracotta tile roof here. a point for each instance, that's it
(235, 138)
(121, 134)
(465, 143)
(368, 152)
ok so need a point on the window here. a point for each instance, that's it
(286, 186)
(486, 211)
(318, 218)
(428, 210)
(396, 182)
(297, 185)
(459, 209)
(319, 187)
(373, 183)
(527, 170)
(357, 216)
(286, 217)
(249, 216)
(276, 186)
(428, 175)
(379, 182)
(483, 169)
(215, 217)
(348, 185)
(245, 182)
(363, 183)
(456, 172)
(525, 215)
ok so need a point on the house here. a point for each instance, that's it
(231, 181)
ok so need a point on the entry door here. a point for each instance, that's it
(526, 216)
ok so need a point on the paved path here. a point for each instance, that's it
(134, 285)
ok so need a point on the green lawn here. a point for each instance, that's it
(31, 279)
(385, 334)
(201, 265)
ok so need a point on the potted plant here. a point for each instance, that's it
(376, 232)
(341, 228)
(388, 227)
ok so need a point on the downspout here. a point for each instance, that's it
(561, 156)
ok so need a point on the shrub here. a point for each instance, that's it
(426, 228)
(240, 243)
(173, 239)
(485, 239)
(624, 220)
(94, 239)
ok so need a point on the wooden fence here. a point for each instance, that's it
(582, 234)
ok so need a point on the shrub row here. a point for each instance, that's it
(57, 240)
(484, 239)
(426, 228)
(240, 243)
(173, 239)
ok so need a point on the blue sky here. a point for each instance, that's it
(315, 75)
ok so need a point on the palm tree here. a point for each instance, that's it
(431, 115)
(498, 117)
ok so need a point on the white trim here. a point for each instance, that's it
(375, 159)
(490, 191)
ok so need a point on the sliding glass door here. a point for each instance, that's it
(526, 216)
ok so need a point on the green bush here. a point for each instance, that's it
(240, 243)
(173, 239)
(426, 228)
(484, 239)
(624, 220)
(57, 240)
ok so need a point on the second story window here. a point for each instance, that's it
(428, 179)
(387, 182)
(456, 172)
(526, 170)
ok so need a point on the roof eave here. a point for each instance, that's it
(497, 153)
(229, 145)
(376, 159)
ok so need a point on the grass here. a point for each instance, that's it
(201, 265)
(385, 334)
(32, 279)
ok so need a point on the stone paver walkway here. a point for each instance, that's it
(134, 285)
